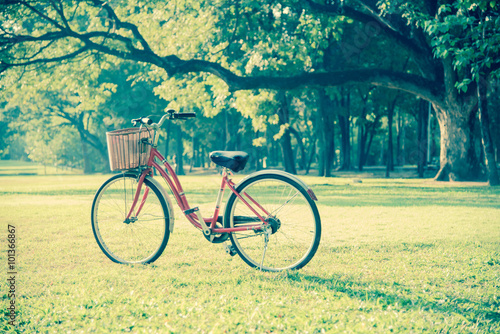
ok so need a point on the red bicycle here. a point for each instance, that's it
(270, 218)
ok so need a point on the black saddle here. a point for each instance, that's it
(234, 160)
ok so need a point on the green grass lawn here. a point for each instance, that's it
(15, 167)
(402, 256)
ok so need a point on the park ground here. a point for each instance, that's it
(396, 255)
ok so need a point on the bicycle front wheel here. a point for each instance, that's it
(144, 235)
(293, 233)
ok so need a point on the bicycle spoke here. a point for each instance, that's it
(283, 205)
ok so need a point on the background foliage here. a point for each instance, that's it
(72, 70)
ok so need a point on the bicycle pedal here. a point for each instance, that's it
(230, 250)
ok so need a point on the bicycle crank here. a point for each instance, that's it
(217, 238)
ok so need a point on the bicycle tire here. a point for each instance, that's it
(142, 239)
(294, 222)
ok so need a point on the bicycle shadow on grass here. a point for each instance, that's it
(480, 313)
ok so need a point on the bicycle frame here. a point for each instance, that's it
(173, 182)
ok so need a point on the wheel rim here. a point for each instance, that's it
(141, 238)
(292, 232)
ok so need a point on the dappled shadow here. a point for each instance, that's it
(396, 296)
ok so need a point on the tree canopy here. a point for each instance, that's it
(434, 50)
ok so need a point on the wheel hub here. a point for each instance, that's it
(274, 223)
(130, 220)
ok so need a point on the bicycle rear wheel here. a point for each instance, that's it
(294, 227)
(139, 239)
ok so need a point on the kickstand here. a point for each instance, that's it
(266, 240)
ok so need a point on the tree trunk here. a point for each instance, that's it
(327, 150)
(371, 134)
(286, 139)
(167, 138)
(345, 128)
(203, 156)
(366, 133)
(257, 153)
(345, 142)
(398, 139)
(489, 150)
(179, 163)
(287, 151)
(321, 145)
(87, 168)
(423, 119)
(330, 148)
(311, 157)
(390, 146)
(302, 148)
(87, 138)
(193, 154)
(361, 146)
(229, 144)
(400, 155)
(458, 161)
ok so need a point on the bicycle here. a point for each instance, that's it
(270, 218)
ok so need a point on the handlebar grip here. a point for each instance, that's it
(184, 115)
(153, 120)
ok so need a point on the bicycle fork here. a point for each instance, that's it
(128, 219)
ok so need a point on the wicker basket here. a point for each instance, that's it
(126, 149)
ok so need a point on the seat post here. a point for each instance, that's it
(220, 195)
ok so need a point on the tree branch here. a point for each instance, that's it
(426, 89)
(50, 36)
(77, 121)
(134, 54)
(173, 65)
(60, 11)
(42, 15)
(39, 51)
(71, 55)
(381, 20)
(126, 25)
(422, 53)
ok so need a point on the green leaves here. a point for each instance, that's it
(463, 85)
(468, 33)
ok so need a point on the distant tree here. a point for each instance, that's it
(57, 98)
(82, 100)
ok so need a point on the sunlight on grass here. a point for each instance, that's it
(395, 256)
(13, 167)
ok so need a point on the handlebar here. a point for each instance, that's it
(171, 114)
